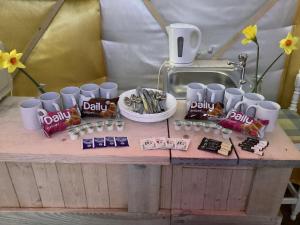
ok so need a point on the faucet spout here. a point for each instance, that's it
(240, 65)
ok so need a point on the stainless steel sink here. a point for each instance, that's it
(176, 78)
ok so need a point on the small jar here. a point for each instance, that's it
(177, 125)
(99, 125)
(207, 127)
(109, 125)
(120, 125)
(187, 125)
(197, 126)
(226, 133)
(74, 135)
(217, 129)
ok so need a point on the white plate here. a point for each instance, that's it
(147, 118)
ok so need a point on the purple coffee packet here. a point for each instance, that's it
(121, 142)
(99, 143)
(110, 142)
(87, 144)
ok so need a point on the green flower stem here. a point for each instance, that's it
(33, 80)
(269, 67)
(257, 64)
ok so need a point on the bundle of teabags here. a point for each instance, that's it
(232, 108)
(53, 112)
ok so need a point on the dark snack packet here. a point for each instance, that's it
(210, 145)
(53, 122)
(240, 122)
(99, 143)
(121, 142)
(205, 111)
(100, 107)
(87, 144)
(110, 142)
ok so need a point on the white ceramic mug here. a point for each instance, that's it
(195, 92)
(90, 90)
(70, 96)
(28, 110)
(51, 101)
(215, 92)
(249, 99)
(109, 90)
(266, 110)
(231, 97)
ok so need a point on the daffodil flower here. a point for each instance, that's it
(12, 61)
(250, 34)
(1, 59)
(288, 44)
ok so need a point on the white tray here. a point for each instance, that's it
(171, 104)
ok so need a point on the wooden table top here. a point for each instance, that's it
(20, 145)
(194, 156)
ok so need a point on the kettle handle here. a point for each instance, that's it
(198, 32)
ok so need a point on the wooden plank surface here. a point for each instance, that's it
(217, 188)
(166, 187)
(8, 197)
(24, 182)
(194, 156)
(118, 186)
(193, 188)
(240, 186)
(72, 185)
(281, 151)
(81, 217)
(267, 192)
(209, 217)
(143, 195)
(177, 186)
(48, 184)
(17, 146)
(95, 180)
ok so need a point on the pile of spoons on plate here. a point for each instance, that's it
(147, 101)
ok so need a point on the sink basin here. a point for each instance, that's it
(176, 78)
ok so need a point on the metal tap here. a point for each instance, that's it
(241, 65)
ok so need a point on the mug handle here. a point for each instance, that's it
(40, 114)
(213, 97)
(74, 102)
(56, 106)
(238, 104)
(107, 95)
(249, 107)
(200, 97)
(228, 104)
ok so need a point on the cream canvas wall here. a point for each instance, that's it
(135, 45)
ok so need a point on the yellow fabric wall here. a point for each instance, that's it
(70, 51)
(292, 67)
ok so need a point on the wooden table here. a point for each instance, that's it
(53, 181)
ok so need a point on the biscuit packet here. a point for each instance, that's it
(100, 107)
(53, 122)
(247, 125)
(205, 111)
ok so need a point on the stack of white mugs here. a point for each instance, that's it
(68, 97)
(251, 104)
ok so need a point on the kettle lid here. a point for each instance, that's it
(181, 25)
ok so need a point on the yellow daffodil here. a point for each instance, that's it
(12, 61)
(2, 60)
(288, 44)
(250, 34)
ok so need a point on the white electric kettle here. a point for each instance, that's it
(184, 43)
